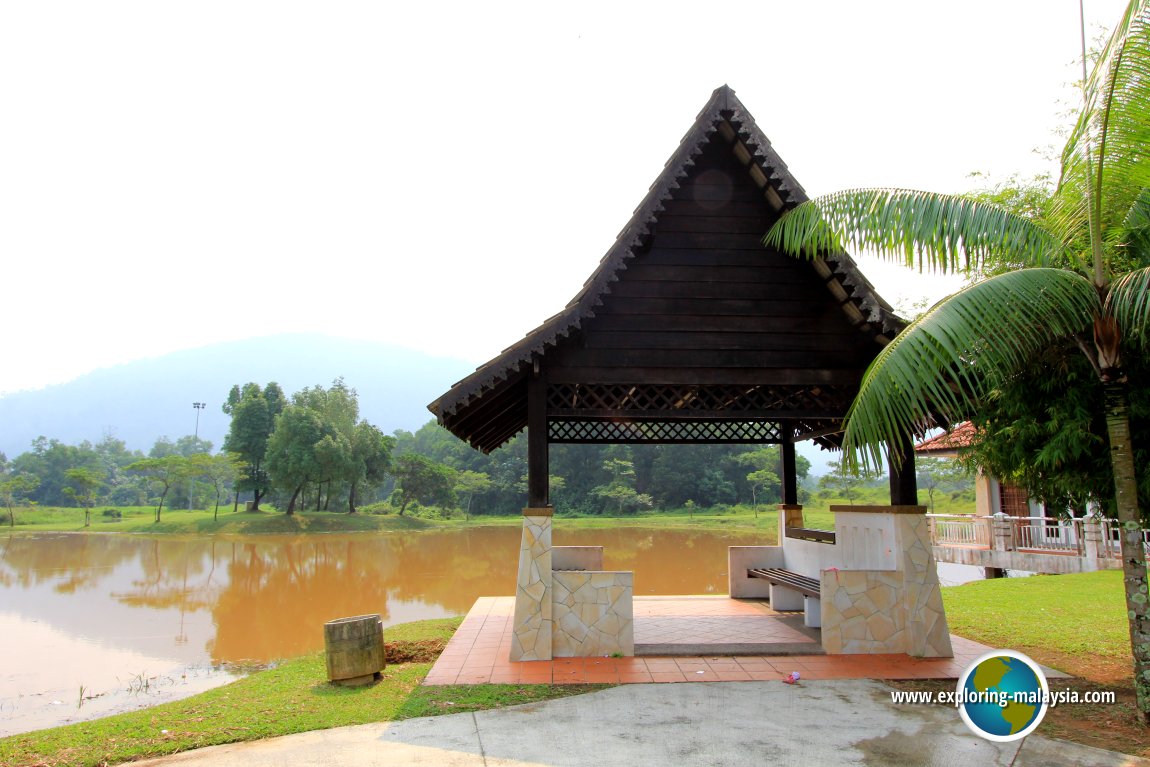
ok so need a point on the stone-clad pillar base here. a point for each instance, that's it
(531, 635)
(886, 599)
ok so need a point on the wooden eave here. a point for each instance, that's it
(489, 407)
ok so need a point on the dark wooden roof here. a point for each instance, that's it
(690, 319)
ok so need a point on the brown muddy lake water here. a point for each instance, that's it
(96, 624)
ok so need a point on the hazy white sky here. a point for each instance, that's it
(446, 175)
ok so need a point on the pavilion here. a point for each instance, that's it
(692, 331)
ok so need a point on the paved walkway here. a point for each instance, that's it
(736, 724)
(695, 635)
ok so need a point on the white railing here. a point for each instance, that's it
(959, 530)
(1112, 538)
(1046, 534)
(1040, 534)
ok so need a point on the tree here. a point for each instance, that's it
(933, 474)
(292, 461)
(253, 411)
(83, 484)
(763, 476)
(49, 460)
(843, 480)
(186, 446)
(220, 471)
(1083, 279)
(1045, 430)
(13, 489)
(621, 491)
(418, 478)
(371, 459)
(114, 456)
(470, 484)
(164, 473)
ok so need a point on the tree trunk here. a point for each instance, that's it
(291, 503)
(1133, 549)
(351, 499)
(256, 494)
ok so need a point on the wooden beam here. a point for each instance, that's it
(900, 462)
(696, 359)
(702, 376)
(538, 492)
(789, 474)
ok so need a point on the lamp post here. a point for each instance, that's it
(198, 406)
(191, 482)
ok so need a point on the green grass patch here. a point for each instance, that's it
(1063, 616)
(141, 519)
(292, 697)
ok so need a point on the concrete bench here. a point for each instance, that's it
(787, 587)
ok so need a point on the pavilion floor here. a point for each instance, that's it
(682, 639)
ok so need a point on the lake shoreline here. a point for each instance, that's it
(140, 521)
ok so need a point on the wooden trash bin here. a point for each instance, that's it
(355, 652)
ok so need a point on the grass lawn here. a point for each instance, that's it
(292, 697)
(1074, 623)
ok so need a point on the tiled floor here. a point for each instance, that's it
(478, 653)
(718, 625)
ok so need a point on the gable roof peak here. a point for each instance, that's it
(725, 115)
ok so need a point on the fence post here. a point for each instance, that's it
(1092, 532)
(1001, 527)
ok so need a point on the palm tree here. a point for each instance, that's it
(1083, 279)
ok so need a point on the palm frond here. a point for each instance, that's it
(924, 230)
(1129, 303)
(944, 362)
(1105, 162)
(1136, 231)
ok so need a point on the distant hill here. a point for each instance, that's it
(140, 401)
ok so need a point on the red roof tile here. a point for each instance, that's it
(948, 442)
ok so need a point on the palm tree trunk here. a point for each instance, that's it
(1133, 549)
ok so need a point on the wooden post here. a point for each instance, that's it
(903, 485)
(790, 480)
(538, 491)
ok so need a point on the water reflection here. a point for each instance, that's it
(257, 598)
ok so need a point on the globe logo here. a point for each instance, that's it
(1002, 696)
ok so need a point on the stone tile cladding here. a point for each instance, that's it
(873, 611)
(532, 628)
(593, 614)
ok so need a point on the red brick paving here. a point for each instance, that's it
(478, 653)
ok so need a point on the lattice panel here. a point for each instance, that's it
(687, 398)
(664, 432)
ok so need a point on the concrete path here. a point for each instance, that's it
(842, 722)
